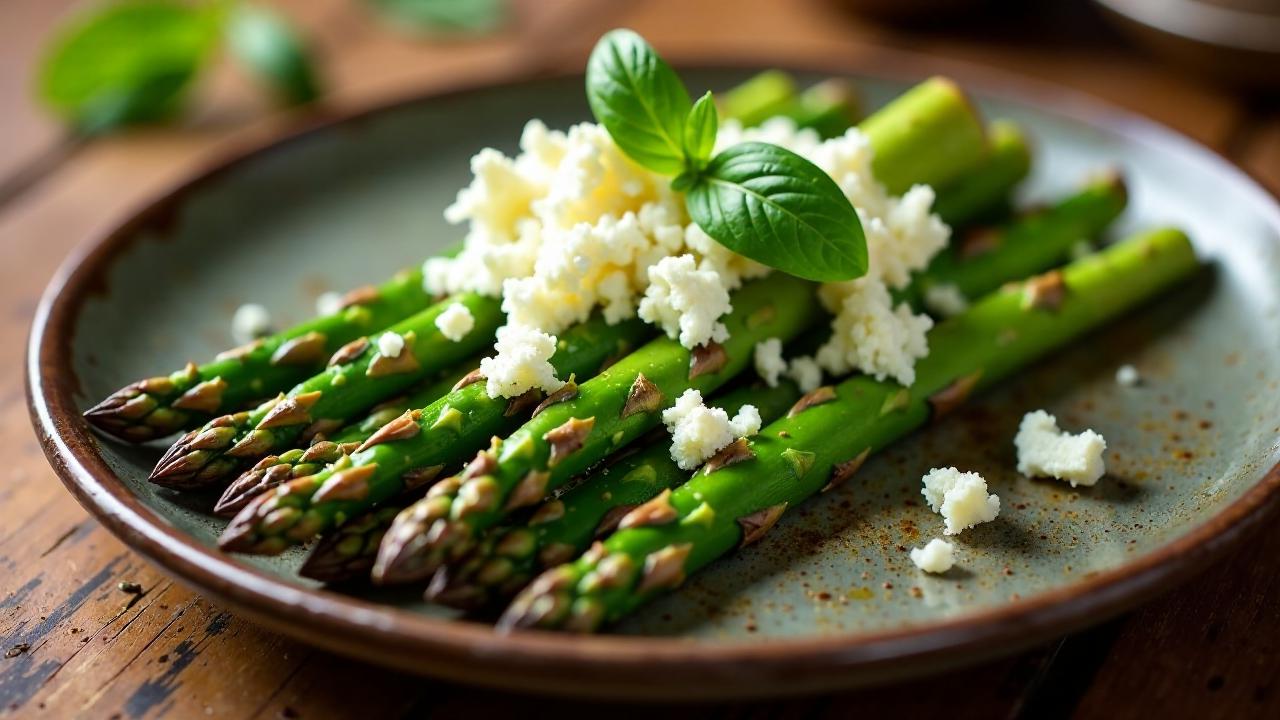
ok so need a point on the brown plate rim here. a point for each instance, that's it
(615, 666)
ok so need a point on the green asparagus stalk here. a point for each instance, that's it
(829, 108)
(160, 406)
(986, 192)
(414, 449)
(822, 445)
(760, 97)
(977, 263)
(274, 470)
(936, 109)
(358, 377)
(562, 528)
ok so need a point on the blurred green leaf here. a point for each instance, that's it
(273, 51)
(445, 16)
(126, 63)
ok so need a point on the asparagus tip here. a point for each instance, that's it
(447, 589)
(249, 485)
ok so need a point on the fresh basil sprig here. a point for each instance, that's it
(759, 200)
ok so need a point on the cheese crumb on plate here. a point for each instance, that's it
(961, 498)
(1044, 450)
(936, 557)
(1127, 376)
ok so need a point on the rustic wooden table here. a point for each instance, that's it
(1210, 649)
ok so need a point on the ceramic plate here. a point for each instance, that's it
(829, 600)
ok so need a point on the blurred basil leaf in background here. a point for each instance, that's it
(445, 17)
(274, 51)
(126, 63)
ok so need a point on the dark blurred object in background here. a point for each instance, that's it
(1232, 41)
(917, 12)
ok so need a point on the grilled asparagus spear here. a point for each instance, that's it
(160, 406)
(274, 470)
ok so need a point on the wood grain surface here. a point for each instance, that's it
(75, 644)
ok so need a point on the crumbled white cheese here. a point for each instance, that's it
(250, 322)
(961, 498)
(329, 303)
(1127, 376)
(455, 322)
(390, 344)
(570, 225)
(870, 335)
(938, 556)
(945, 300)
(698, 432)
(1044, 450)
(686, 302)
(769, 363)
(520, 363)
(806, 373)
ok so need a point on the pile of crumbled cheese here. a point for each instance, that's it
(571, 225)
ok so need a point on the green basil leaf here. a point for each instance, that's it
(777, 208)
(126, 63)
(449, 17)
(273, 50)
(700, 131)
(639, 99)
